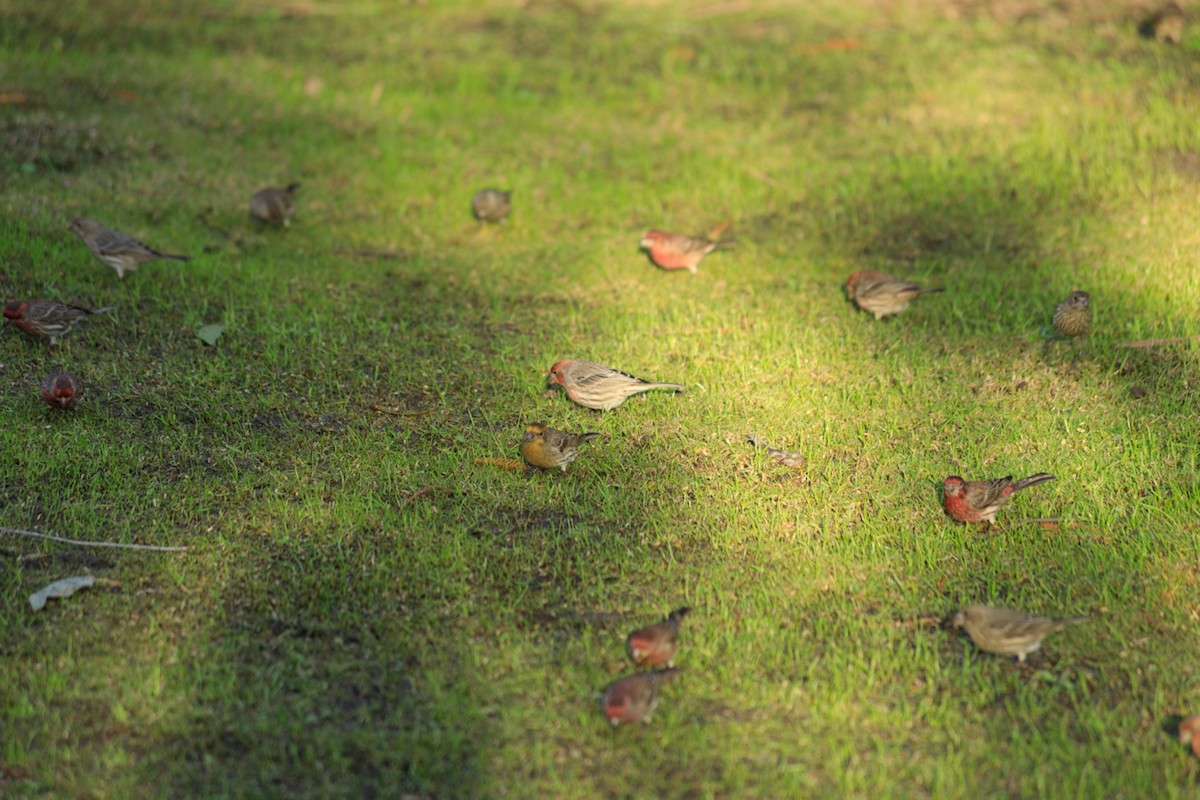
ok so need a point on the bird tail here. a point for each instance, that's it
(931, 289)
(1074, 620)
(1032, 480)
(583, 437)
(677, 387)
(174, 258)
(679, 613)
(291, 188)
(101, 310)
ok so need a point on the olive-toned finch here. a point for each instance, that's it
(274, 206)
(882, 294)
(978, 501)
(634, 697)
(61, 390)
(598, 387)
(655, 645)
(1006, 632)
(1072, 318)
(45, 318)
(115, 249)
(544, 447)
(675, 250)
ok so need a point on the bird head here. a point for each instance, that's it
(556, 373)
(953, 486)
(651, 238)
(959, 619)
(680, 613)
(1079, 298)
(852, 283)
(82, 226)
(534, 430)
(14, 310)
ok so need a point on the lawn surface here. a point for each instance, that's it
(368, 609)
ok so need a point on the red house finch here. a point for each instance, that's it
(978, 501)
(61, 390)
(634, 697)
(491, 205)
(1166, 25)
(1072, 318)
(544, 447)
(46, 318)
(122, 253)
(676, 251)
(274, 206)
(654, 645)
(1188, 730)
(882, 294)
(1006, 632)
(598, 387)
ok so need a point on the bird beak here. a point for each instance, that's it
(528, 435)
(645, 243)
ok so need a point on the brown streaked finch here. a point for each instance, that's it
(788, 458)
(655, 645)
(491, 205)
(1166, 25)
(61, 390)
(634, 697)
(115, 249)
(47, 319)
(598, 387)
(978, 501)
(675, 250)
(882, 294)
(274, 206)
(544, 447)
(1006, 632)
(1072, 318)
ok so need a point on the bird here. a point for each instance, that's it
(1188, 729)
(1166, 24)
(1072, 318)
(882, 294)
(61, 390)
(115, 249)
(544, 447)
(598, 387)
(274, 206)
(491, 205)
(634, 697)
(46, 318)
(675, 250)
(1006, 632)
(655, 645)
(978, 501)
(788, 458)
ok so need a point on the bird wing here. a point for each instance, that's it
(982, 494)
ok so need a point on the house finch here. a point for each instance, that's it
(978, 501)
(491, 205)
(634, 697)
(544, 447)
(274, 206)
(1166, 25)
(1188, 730)
(1072, 318)
(1006, 632)
(122, 253)
(598, 387)
(654, 645)
(882, 294)
(61, 390)
(676, 251)
(788, 458)
(46, 318)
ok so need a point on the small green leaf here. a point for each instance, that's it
(210, 333)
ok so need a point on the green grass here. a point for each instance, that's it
(335, 632)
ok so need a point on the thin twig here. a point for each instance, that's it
(1032, 520)
(79, 543)
(1141, 343)
(396, 411)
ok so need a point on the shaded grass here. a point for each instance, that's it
(336, 634)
